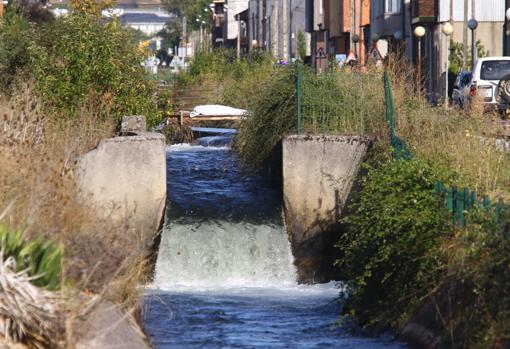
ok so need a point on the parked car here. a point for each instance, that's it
(460, 93)
(491, 82)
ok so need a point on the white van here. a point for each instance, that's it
(491, 82)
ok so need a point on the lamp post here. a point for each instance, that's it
(472, 25)
(398, 35)
(355, 40)
(419, 32)
(447, 30)
(505, 34)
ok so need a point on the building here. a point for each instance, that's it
(150, 23)
(348, 26)
(393, 23)
(277, 24)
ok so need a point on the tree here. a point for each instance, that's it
(457, 55)
(195, 12)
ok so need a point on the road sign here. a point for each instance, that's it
(351, 57)
(375, 54)
(321, 54)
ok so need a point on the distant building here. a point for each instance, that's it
(148, 23)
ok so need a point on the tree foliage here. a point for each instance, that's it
(457, 55)
(194, 11)
(79, 61)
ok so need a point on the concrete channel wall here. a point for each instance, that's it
(318, 174)
(125, 179)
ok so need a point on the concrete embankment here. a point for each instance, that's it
(124, 178)
(318, 174)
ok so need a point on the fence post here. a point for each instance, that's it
(298, 97)
(459, 207)
(390, 109)
(499, 211)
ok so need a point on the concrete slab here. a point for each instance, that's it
(318, 174)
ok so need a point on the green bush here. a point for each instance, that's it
(389, 251)
(41, 258)
(80, 61)
(15, 37)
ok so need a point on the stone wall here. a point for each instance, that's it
(318, 174)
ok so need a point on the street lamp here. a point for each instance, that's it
(447, 30)
(419, 32)
(506, 45)
(472, 25)
(355, 40)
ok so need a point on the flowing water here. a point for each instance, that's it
(225, 276)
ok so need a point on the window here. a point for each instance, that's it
(392, 6)
(494, 70)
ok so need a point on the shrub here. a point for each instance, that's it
(390, 256)
(78, 61)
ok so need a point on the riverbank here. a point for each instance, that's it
(61, 111)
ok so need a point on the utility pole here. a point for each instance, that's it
(285, 31)
(275, 30)
(474, 52)
(238, 37)
(464, 36)
(185, 36)
(352, 4)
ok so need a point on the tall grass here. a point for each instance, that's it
(40, 197)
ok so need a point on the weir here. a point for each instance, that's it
(225, 276)
(223, 253)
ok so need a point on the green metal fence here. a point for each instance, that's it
(324, 105)
(399, 147)
(457, 201)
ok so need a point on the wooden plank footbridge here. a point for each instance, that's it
(186, 100)
(184, 117)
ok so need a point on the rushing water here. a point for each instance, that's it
(225, 276)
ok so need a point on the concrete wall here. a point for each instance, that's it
(318, 174)
(106, 326)
(125, 179)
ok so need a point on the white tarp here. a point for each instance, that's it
(216, 110)
(234, 8)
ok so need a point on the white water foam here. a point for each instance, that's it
(224, 255)
(191, 147)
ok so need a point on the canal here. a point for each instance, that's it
(225, 276)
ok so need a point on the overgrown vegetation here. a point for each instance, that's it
(76, 61)
(64, 83)
(390, 256)
(40, 258)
